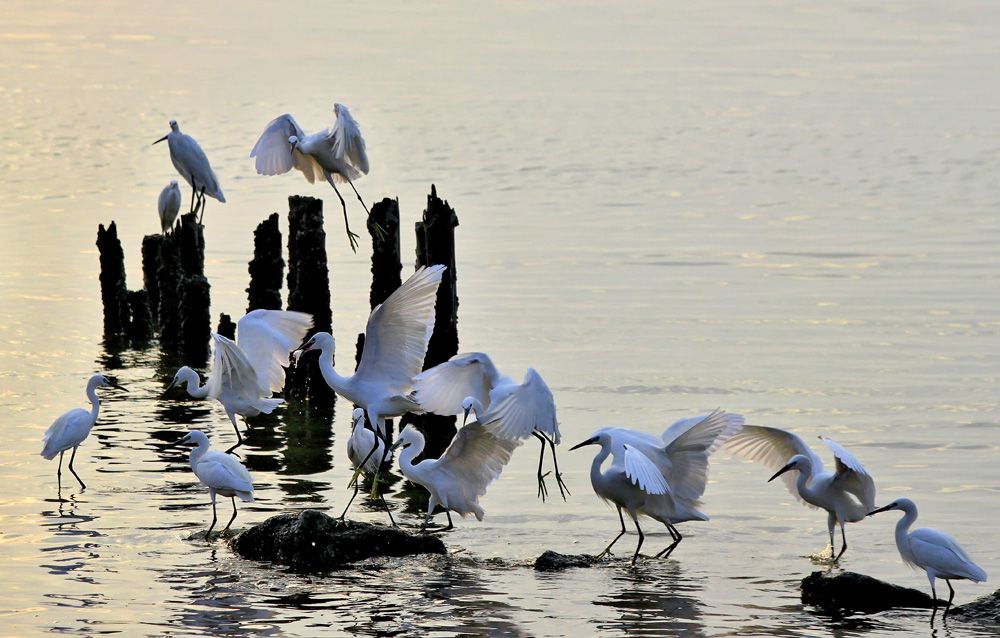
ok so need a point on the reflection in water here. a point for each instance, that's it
(654, 600)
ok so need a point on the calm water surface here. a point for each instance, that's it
(787, 210)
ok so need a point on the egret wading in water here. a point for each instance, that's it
(221, 473)
(933, 551)
(246, 372)
(507, 409)
(395, 345)
(70, 429)
(458, 478)
(192, 164)
(847, 493)
(169, 205)
(658, 476)
(336, 155)
(365, 450)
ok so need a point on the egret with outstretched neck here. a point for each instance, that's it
(192, 164)
(847, 493)
(933, 551)
(70, 429)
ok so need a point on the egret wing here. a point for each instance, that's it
(348, 145)
(517, 410)
(643, 472)
(689, 451)
(443, 388)
(473, 460)
(772, 447)
(275, 155)
(398, 331)
(221, 471)
(851, 475)
(231, 369)
(266, 337)
(67, 431)
(934, 549)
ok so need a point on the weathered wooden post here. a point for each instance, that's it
(114, 294)
(151, 247)
(308, 291)
(267, 268)
(226, 327)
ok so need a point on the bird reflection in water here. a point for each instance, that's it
(656, 601)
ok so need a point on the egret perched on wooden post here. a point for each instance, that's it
(658, 476)
(457, 479)
(246, 372)
(336, 155)
(221, 473)
(169, 205)
(933, 551)
(509, 410)
(847, 493)
(395, 346)
(192, 163)
(365, 450)
(70, 429)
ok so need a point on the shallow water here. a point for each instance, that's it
(785, 211)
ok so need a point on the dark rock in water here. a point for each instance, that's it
(985, 610)
(313, 542)
(552, 561)
(848, 592)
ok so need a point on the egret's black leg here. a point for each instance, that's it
(71, 457)
(641, 538)
(233, 498)
(379, 233)
(843, 549)
(677, 538)
(934, 609)
(542, 490)
(607, 550)
(352, 237)
(201, 205)
(356, 488)
(239, 437)
(194, 192)
(563, 490)
(59, 469)
(386, 506)
(450, 524)
(209, 532)
(951, 597)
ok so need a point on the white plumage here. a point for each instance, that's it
(169, 204)
(70, 429)
(507, 409)
(658, 476)
(192, 164)
(221, 473)
(933, 551)
(246, 372)
(337, 154)
(847, 493)
(457, 479)
(366, 451)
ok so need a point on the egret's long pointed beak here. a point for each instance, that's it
(591, 441)
(881, 509)
(169, 387)
(780, 472)
(181, 441)
(306, 345)
(466, 416)
(115, 385)
(161, 139)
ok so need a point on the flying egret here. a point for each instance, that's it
(336, 154)
(246, 372)
(458, 478)
(509, 410)
(847, 493)
(169, 205)
(933, 551)
(192, 163)
(70, 429)
(365, 450)
(658, 476)
(221, 473)
(395, 345)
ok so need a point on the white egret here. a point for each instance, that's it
(847, 493)
(169, 205)
(395, 345)
(192, 163)
(658, 476)
(365, 450)
(246, 372)
(70, 429)
(221, 473)
(509, 410)
(458, 478)
(933, 551)
(336, 154)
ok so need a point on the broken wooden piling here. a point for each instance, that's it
(114, 294)
(267, 268)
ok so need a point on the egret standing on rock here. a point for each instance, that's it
(69, 430)
(395, 345)
(509, 410)
(246, 372)
(192, 163)
(847, 493)
(169, 205)
(658, 476)
(933, 551)
(221, 473)
(458, 478)
(336, 154)
(366, 451)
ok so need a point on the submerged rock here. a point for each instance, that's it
(311, 541)
(848, 592)
(552, 561)
(985, 609)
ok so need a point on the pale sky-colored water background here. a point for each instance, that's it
(787, 210)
